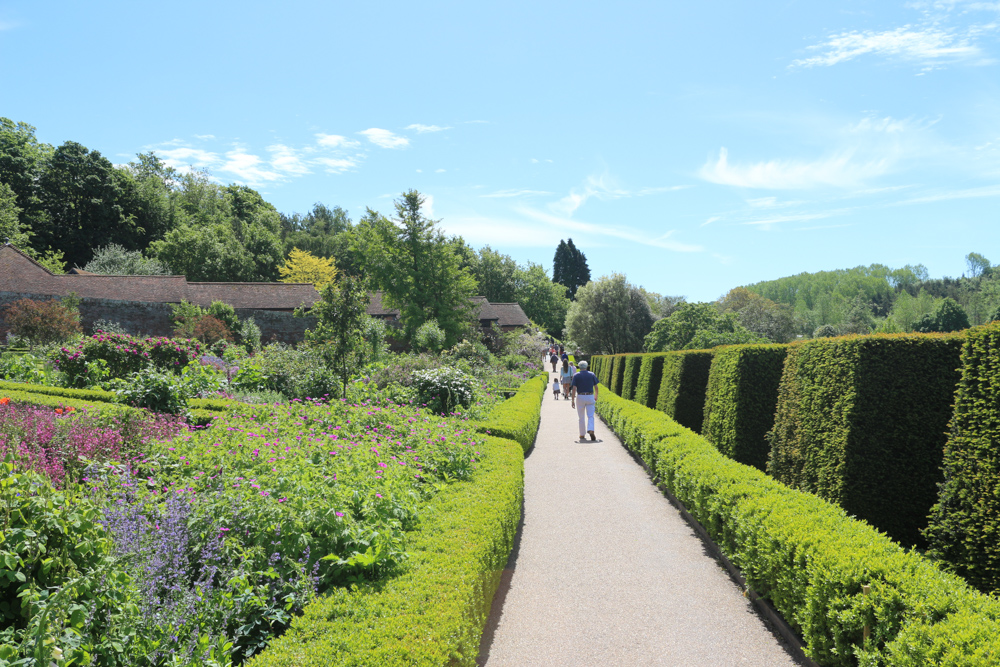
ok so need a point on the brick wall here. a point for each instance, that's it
(154, 319)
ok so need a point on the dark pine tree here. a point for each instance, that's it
(560, 264)
(580, 271)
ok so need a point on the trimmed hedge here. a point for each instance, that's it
(650, 374)
(518, 417)
(595, 366)
(617, 373)
(964, 525)
(811, 560)
(740, 400)
(631, 375)
(682, 387)
(90, 395)
(861, 422)
(48, 400)
(433, 613)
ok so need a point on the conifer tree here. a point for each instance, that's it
(569, 267)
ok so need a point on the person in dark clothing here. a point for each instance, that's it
(583, 391)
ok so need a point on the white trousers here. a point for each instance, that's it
(585, 409)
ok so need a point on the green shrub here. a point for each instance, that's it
(861, 422)
(964, 524)
(595, 366)
(810, 559)
(124, 355)
(740, 400)
(518, 417)
(89, 395)
(650, 374)
(631, 375)
(429, 337)
(682, 387)
(434, 612)
(154, 390)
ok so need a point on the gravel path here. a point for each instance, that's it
(607, 572)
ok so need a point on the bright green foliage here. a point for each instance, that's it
(948, 316)
(683, 385)
(965, 522)
(429, 337)
(630, 375)
(341, 319)
(810, 559)
(700, 326)
(116, 260)
(861, 422)
(434, 612)
(323, 232)
(650, 374)
(415, 265)
(12, 230)
(542, 300)
(518, 417)
(740, 400)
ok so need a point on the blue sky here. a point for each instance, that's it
(693, 146)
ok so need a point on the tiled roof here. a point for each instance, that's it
(265, 296)
(510, 315)
(377, 308)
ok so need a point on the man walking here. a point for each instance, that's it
(583, 390)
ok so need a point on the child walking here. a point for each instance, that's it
(556, 388)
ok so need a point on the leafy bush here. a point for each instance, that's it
(964, 524)
(810, 559)
(429, 337)
(41, 322)
(444, 389)
(211, 330)
(21, 368)
(861, 421)
(740, 400)
(108, 326)
(683, 385)
(399, 369)
(124, 355)
(650, 375)
(825, 331)
(154, 390)
(296, 373)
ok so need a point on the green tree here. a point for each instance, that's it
(415, 265)
(609, 316)
(11, 229)
(341, 322)
(543, 301)
(759, 315)
(569, 267)
(950, 316)
(496, 275)
(675, 331)
(22, 161)
(976, 265)
(323, 232)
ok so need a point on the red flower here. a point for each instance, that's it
(59, 411)
(4, 400)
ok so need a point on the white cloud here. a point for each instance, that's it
(838, 170)
(287, 160)
(385, 138)
(439, 171)
(179, 158)
(204, 137)
(663, 241)
(710, 221)
(768, 223)
(655, 191)
(930, 46)
(248, 168)
(335, 141)
(503, 194)
(602, 187)
(427, 208)
(421, 129)
(335, 165)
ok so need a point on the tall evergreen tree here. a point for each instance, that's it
(569, 267)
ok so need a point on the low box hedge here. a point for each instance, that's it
(433, 613)
(740, 400)
(92, 395)
(650, 375)
(861, 422)
(964, 525)
(682, 387)
(811, 560)
(518, 417)
(631, 375)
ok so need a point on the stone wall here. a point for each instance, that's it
(155, 319)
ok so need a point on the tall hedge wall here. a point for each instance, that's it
(682, 387)
(740, 400)
(650, 374)
(617, 373)
(812, 561)
(861, 422)
(631, 375)
(595, 366)
(964, 526)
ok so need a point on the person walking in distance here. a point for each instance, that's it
(565, 377)
(554, 359)
(583, 391)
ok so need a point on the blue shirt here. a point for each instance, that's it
(585, 381)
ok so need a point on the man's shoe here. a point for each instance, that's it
(592, 436)
(583, 438)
